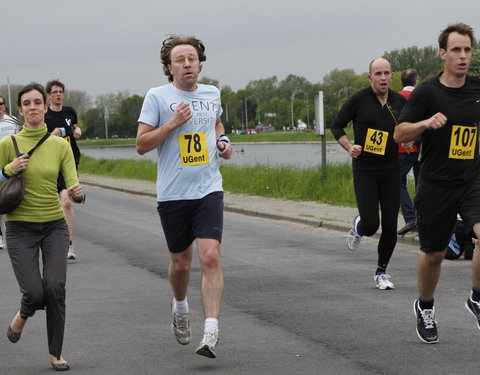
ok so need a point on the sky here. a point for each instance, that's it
(106, 46)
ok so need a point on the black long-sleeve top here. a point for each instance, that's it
(369, 117)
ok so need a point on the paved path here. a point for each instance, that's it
(311, 213)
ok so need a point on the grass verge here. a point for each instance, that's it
(332, 185)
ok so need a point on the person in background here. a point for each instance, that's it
(460, 243)
(445, 112)
(408, 156)
(38, 223)
(62, 121)
(8, 126)
(376, 172)
(182, 121)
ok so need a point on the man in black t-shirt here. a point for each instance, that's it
(62, 121)
(445, 112)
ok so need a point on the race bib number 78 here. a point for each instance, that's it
(462, 142)
(193, 148)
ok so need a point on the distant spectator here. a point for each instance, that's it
(408, 157)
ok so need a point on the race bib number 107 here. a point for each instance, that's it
(193, 148)
(462, 142)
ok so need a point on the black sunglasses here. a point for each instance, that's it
(2, 103)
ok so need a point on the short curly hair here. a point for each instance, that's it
(53, 82)
(176, 40)
(460, 28)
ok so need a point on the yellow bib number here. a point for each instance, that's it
(462, 142)
(193, 148)
(376, 141)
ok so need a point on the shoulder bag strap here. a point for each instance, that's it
(33, 149)
(39, 143)
(15, 146)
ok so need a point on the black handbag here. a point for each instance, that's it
(12, 191)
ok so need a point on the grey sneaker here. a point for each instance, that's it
(353, 238)
(71, 252)
(382, 282)
(474, 308)
(426, 324)
(181, 327)
(207, 346)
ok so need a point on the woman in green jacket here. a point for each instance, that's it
(38, 223)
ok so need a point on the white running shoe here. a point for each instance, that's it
(207, 346)
(353, 238)
(71, 252)
(2, 244)
(181, 327)
(382, 282)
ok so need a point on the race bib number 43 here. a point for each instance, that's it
(193, 148)
(376, 141)
(462, 142)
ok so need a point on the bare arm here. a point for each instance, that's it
(149, 137)
(77, 132)
(409, 131)
(353, 150)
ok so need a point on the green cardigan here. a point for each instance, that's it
(41, 203)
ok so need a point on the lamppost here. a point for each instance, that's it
(345, 89)
(105, 116)
(292, 97)
(9, 97)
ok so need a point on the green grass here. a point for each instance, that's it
(105, 142)
(119, 168)
(332, 185)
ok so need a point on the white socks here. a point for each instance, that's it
(211, 324)
(180, 307)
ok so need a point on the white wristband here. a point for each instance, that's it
(223, 138)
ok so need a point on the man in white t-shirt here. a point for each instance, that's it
(182, 121)
(8, 127)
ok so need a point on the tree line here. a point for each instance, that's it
(270, 102)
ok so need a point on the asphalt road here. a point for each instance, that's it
(296, 302)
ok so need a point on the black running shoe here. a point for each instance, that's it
(426, 324)
(474, 308)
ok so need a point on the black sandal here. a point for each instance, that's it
(13, 336)
(61, 366)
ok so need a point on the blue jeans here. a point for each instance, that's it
(407, 162)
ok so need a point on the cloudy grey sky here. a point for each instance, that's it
(103, 46)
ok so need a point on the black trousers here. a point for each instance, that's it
(41, 289)
(374, 188)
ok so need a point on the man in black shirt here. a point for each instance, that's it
(376, 170)
(445, 112)
(62, 121)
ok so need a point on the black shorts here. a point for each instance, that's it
(184, 220)
(437, 209)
